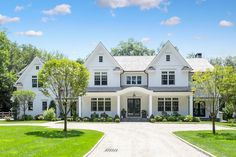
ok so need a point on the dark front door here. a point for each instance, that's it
(133, 107)
(199, 109)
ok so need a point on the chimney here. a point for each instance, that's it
(198, 55)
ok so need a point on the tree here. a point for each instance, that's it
(191, 55)
(131, 48)
(23, 97)
(207, 83)
(80, 60)
(65, 80)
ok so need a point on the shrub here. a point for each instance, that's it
(40, 117)
(231, 121)
(176, 114)
(172, 118)
(109, 119)
(151, 117)
(94, 115)
(117, 120)
(188, 118)
(164, 120)
(181, 118)
(49, 114)
(165, 114)
(37, 116)
(116, 117)
(152, 120)
(78, 119)
(27, 117)
(95, 119)
(86, 119)
(103, 119)
(158, 118)
(70, 119)
(7, 118)
(103, 115)
(196, 119)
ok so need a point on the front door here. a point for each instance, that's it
(199, 109)
(134, 107)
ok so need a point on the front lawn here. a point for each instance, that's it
(221, 144)
(29, 141)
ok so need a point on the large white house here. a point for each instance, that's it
(133, 83)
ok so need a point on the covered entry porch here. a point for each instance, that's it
(135, 102)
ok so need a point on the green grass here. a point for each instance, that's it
(20, 121)
(29, 141)
(222, 144)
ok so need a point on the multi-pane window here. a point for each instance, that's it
(100, 58)
(34, 82)
(44, 105)
(167, 77)
(100, 104)
(160, 104)
(168, 104)
(30, 106)
(133, 79)
(37, 67)
(100, 78)
(167, 57)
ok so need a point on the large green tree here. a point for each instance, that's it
(23, 98)
(64, 80)
(131, 48)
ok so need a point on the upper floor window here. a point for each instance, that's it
(133, 79)
(168, 78)
(167, 57)
(100, 58)
(100, 78)
(37, 67)
(30, 106)
(44, 105)
(35, 82)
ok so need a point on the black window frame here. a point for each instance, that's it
(100, 59)
(164, 78)
(44, 105)
(171, 78)
(167, 58)
(30, 106)
(168, 104)
(128, 79)
(160, 104)
(175, 104)
(107, 104)
(100, 78)
(37, 67)
(139, 79)
(93, 104)
(34, 81)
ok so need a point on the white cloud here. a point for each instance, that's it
(145, 40)
(169, 34)
(112, 13)
(46, 19)
(6, 19)
(143, 4)
(30, 33)
(224, 23)
(61, 9)
(200, 1)
(171, 21)
(19, 8)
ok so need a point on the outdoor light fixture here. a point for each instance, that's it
(134, 95)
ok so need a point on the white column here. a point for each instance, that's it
(80, 106)
(118, 105)
(191, 104)
(150, 105)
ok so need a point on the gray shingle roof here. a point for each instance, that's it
(199, 64)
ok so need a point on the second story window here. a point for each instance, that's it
(168, 78)
(100, 58)
(100, 78)
(128, 80)
(133, 79)
(34, 82)
(30, 106)
(37, 67)
(167, 58)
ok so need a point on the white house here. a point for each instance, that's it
(133, 83)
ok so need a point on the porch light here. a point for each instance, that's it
(134, 95)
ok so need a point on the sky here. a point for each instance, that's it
(75, 27)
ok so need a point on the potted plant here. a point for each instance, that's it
(144, 114)
(123, 113)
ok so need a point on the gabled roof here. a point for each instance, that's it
(199, 64)
(134, 63)
(168, 43)
(100, 45)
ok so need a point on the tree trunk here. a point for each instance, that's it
(65, 121)
(213, 123)
(24, 113)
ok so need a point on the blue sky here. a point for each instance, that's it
(74, 27)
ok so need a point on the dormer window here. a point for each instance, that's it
(167, 58)
(37, 67)
(100, 58)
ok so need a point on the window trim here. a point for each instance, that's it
(133, 80)
(105, 102)
(168, 79)
(172, 100)
(99, 79)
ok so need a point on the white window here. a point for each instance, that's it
(168, 78)
(133, 79)
(167, 58)
(100, 104)
(168, 104)
(100, 78)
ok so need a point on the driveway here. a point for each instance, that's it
(131, 139)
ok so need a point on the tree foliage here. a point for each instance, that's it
(64, 80)
(23, 98)
(228, 61)
(131, 48)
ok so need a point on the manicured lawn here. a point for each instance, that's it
(28, 141)
(223, 144)
(20, 121)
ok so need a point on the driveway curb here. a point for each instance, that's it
(94, 147)
(194, 146)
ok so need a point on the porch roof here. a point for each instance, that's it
(170, 89)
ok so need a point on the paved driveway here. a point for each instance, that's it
(141, 139)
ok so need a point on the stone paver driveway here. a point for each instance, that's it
(133, 139)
